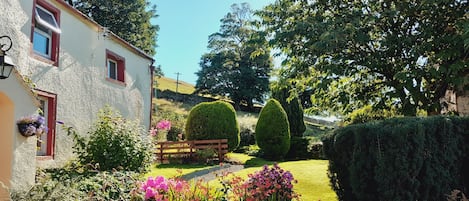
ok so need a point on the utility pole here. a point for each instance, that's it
(177, 81)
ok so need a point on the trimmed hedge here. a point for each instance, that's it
(213, 120)
(272, 131)
(399, 159)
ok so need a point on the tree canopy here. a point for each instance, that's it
(129, 19)
(239, 62)
(391, 54)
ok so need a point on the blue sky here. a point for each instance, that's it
(184, 29)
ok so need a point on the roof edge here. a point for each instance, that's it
(114, 36)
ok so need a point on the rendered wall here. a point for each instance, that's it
(80, 78)
(18, 153)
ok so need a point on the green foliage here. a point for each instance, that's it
(129, 19)
(367, 114)
(385, 53)
(272, 130)
(177, 123)
(421, 158)
(114, 143)
(302, 148)
(239, 61)
(75, 182)
(213, 120)
(293, 109)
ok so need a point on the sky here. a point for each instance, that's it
(184, 29)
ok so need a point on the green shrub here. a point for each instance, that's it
(177, 123)
(419, 158)
(302, 148)
(293, 109)
(367, 114)
(75, 182)
(272, 131)
(214, 120)
(114, 143)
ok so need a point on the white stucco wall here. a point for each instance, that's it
(80, 78)
(23, 168)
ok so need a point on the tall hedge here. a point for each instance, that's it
(293, 109)
(400, 159)
(273, 131)
(213, 120)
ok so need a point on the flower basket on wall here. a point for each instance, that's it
(31, 125)
(27, 129)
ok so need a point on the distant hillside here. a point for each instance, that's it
(165, 83)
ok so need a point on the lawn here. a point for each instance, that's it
(313, 183)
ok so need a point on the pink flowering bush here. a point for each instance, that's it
(163, 125)
(268, 184)
(162, 189)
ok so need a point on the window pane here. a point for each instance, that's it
(47, 19)
(112, 67)
(41, 43)
(42, 144)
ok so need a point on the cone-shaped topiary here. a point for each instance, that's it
(273, 130)
(214, 120)
(293, 109)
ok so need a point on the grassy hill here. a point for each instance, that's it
(165, 83)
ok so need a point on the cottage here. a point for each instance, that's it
(70, 67)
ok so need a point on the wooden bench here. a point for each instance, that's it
(165, 150)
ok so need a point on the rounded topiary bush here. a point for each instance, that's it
(273, 131)
(213, 120)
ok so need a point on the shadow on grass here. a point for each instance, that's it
(258, 162)
(181, 166)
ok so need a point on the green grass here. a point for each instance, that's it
(313, 183)
(171, 170)
(165, 83)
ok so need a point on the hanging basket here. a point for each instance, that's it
(27, 129)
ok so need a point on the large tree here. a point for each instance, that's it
(401, 54)
(129, 19)
(239, 62)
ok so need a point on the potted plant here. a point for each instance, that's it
(31, 125)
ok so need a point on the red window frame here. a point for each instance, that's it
(51, 122)
(120, 61)
(55, 43)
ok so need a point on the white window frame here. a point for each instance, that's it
(109, 69)
(53, 26)
(49, 45)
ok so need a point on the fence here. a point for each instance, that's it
(165, 150)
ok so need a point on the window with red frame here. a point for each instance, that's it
(115, 66)
(45, 30)
(48, 107)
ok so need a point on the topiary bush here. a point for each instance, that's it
(273, 131)
(114, 143)
(421, 158)
(293, 109)
(213, 120)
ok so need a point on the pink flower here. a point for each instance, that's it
(153, 131)
(164, 124)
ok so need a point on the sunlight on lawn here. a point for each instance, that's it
(313, 183)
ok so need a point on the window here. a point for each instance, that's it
(48, 107)
(46, 31)
(115, 67)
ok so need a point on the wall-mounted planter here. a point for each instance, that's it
(27, 129)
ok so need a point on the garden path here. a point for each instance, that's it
(211, 173)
